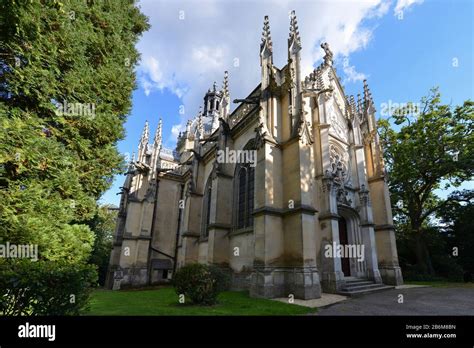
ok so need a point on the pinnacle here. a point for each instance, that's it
(225, 84)
(266, 36)
(367, 94)
(294, 33)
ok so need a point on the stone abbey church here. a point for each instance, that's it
(318, 180)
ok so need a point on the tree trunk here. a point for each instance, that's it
(423, 259)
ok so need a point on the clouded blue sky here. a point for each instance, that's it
(402, 47)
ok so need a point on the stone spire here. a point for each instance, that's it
(266, 48)
(199, 126)
(266, 54)
(293, 76)
(294, 41)
(143, 146)
(145, 135)
(225, 84)
(367, 96)
(369, 110)
(225, 103)
(159, 133)
(353, 106)
(359, 104)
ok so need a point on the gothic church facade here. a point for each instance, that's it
(318, 180)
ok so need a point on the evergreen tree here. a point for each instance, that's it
(66, 78)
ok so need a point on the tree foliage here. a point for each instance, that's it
(55, 165)
(458, 228)
(66, 79)
(431, 150)
(103, 227)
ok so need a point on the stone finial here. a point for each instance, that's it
(294, 39)
(145, 134)
(266, 45)
(225, 103)
(328, 56)
(214, 87)
(159, 133)
(200, 125)
(367, 95)
(359, 104)
(319, 79)
(225, 84)
(353, 105)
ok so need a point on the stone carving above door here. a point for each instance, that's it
(337, 121)
(339, 172)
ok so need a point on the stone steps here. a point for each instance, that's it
(359, 282)
(356, 287)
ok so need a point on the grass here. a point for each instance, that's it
(441, 284)
(164, 301)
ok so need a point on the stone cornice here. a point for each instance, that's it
(241, 231)
(190, 234)
(220, 226)
(301, 209)
(129, 237)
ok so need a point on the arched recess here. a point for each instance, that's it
(358, 268)
(206, 208)
(244, 192)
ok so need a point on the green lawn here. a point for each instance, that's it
(164, 301)
(441, 284)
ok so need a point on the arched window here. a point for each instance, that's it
(250, 193)
(206, 212)
(242, 201)
(244, 195)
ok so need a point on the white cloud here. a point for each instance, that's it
(176, 129)
(152, 78)
(403, 5)
(350, 73)
(191, 44)
(210, 58)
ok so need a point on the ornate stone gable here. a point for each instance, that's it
(338, 122)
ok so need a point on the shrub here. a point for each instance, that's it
(45, 287)
(222, 278)
(200, 283)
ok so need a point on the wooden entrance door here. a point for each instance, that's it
(343, 240)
